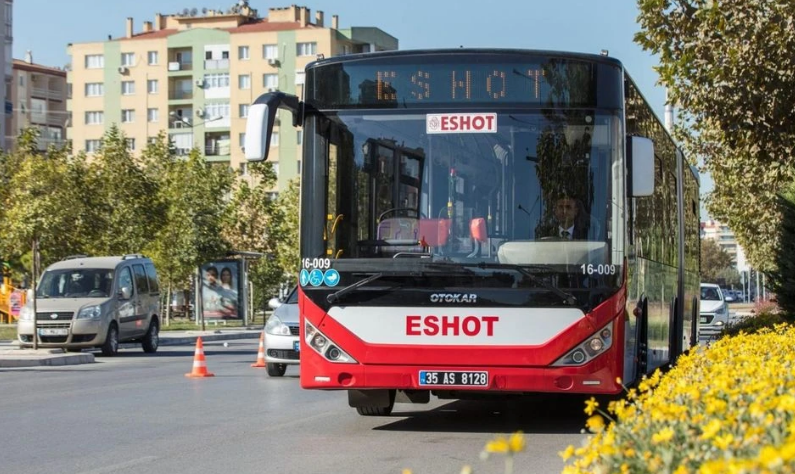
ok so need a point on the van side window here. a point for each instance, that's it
(151, 274)
(125, 279)
(140, 278)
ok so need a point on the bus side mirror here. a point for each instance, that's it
(259, 124)
(640, 154)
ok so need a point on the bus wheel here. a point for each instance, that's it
(372, 402)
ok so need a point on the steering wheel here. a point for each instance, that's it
(396, 209)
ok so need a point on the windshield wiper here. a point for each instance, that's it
(339, 294)
(567, 298)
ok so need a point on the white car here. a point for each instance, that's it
(282, 342)
(714, 311)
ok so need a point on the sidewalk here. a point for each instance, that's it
(12, 356)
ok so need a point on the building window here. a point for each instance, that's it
(270, 81)
(276, 167)
(152, 115)
(270, 51)
(128, 87)
(95, 117)
(244, 168)
(242, 138)
(306, 49)
(242, 52)
(272, 195)
(127, 59)
(299, 137)
(131, 143)
(300, 77)
(95, 61)
(151, 58)
(243, 109)
(21, 81)
(127, 116)
(95, 89)
(299, 166)
(244, 81)
(216, 111)
(151, 86)
(92, 146)
(275, 139)
(214, 81)
(151, 140)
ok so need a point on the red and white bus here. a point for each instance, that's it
(485, 222)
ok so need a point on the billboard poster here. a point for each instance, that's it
(221, 289)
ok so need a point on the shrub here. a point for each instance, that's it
(726, 408)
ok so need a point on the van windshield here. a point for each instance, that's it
(76, 283)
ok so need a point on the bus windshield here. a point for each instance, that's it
(530, 188)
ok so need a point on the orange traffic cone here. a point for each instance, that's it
(261, 352)
(199, 364)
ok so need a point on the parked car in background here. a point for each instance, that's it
(84, 302)
(714, 311)
(282, 343)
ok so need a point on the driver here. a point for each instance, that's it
(570, 220)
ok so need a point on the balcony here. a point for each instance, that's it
(216, 64)
(178, 67)
(44, 143)
(217, 149)
(176, 123)
(180, 94)
(45, 93)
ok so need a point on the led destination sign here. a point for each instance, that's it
(419, 81)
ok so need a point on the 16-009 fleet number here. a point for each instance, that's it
(600, 269)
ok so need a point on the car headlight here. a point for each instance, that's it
(722, 311)
(90, 312)
(26, 313)
(276, 327)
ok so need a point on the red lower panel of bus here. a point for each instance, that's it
(449, 366)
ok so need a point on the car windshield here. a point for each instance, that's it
(709, 293)
(75, 283)
(293, 298)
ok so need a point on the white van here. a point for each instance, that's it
(84, 302)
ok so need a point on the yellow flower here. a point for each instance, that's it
(498, 445)
(569, 452)
(590, 406)
(516, 442)
(770, 458)
(711, 429)
(662, 436)
(681, 470)
(595, 423)
(723, 442)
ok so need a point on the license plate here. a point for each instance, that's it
(703, 320)
(453, 378)
(297, 346)
(53, 331)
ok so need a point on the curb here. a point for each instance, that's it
(36, 360)
(185, 340)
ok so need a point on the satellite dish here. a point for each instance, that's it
(204, 11)
(194, 11)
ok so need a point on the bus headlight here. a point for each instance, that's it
(324, 346)
(586, 351)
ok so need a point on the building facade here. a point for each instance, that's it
(39, 96)
(6, 56)
(194, 75)
(725, 239)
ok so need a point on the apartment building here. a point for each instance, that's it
(725, 239)
(6, 55)
(38, 93)
(195, 73)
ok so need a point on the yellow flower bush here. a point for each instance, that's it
(729, 408)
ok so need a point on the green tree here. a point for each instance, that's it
(286, 231)
(728, 64)
(124, 199)
(713, 260)
(191, 195)
(251, 224)
(782, 280)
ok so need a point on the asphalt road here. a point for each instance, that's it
(139, 413)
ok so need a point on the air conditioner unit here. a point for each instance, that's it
(200, 112)
(123, 70)
(273, 62)
(199, 82)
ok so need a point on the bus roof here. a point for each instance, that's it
(596, 58)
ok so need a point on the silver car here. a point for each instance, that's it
(282, 343)
(714, 311)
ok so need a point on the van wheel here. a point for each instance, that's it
(111, 346)
(277, 370)
(151, 339)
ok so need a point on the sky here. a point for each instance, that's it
(45, 27)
